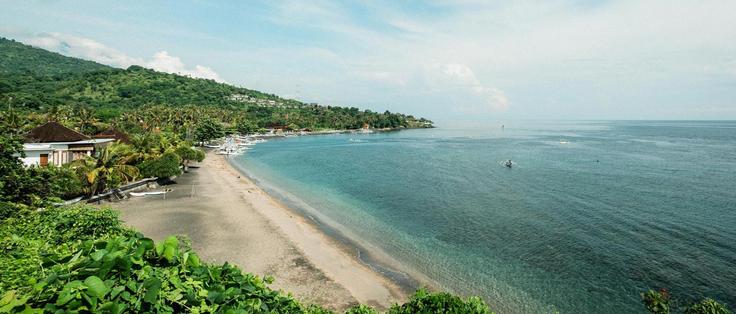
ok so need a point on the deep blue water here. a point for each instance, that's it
(592, 214)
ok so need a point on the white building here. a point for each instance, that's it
(55, 144)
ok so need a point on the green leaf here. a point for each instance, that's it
(69, 292)
(96, 287)
(98, 255)
(194, 260)
(170, 249)
(115, 291)
(9, 302)
(152, 286)
(7, 297)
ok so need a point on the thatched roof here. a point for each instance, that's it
(113, 133)
(53, 132)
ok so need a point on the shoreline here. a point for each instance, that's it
(369, 255)
(229, 218)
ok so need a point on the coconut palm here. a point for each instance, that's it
(109, 169)
(86, 121)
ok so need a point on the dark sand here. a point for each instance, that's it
(228, 218)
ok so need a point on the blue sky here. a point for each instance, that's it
(445, 60)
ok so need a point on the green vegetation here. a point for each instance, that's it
(109, 169)
(425, 302)
(39, 81)
(162, 167)
(81, 259)
(660, 302)
(208, 130)
(33, 185)
(19, 58)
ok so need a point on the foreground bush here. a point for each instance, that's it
(28, 236)
(132, 274)
(81, 259)
(659, 302)
(425, 302)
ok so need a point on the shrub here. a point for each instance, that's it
(165, 166)
(707, 306)
(63, 182)
(135, 275)
(442, 302)
(657, 302)
(361, 309)
(8, 210)
(29, 236)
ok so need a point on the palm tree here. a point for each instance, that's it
(110, 168)
(61, 114)
(86, 120)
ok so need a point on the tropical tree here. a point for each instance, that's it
(12, 122)
(208, 129)
(109, 169)
(29, 185)
(86, 122)
(188, 153)
(151, 145)
(165, 166)
(246, 127)
(13, 178)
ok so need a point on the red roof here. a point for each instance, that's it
(52, 132)
(113, 133)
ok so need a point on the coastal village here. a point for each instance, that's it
(230, 157)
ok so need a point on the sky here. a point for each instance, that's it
(443, 60)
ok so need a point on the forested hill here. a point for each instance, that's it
(16, 58)
(38, 80)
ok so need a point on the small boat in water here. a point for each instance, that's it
(508, 163)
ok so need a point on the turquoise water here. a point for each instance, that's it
(592, 214)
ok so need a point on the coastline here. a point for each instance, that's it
(227, 216)
(407, 279)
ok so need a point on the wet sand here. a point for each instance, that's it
(228, 218)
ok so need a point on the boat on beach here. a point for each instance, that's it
(143, 194)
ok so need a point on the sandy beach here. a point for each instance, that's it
(229, 218)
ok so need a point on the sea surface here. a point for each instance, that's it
(591, 214)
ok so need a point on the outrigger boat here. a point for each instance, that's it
(141, 194)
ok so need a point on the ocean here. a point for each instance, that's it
(591, 214)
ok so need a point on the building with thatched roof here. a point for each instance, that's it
(53, 143)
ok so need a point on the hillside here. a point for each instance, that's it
(39, 80)
(16, 58)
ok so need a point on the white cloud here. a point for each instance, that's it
(460, 80)
(84, 48)
(537, 51)
(90, 49)
(164, 62)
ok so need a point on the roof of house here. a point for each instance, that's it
(63, 145)
(52, 132)
(114, 134)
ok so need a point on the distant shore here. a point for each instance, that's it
(229, 218)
